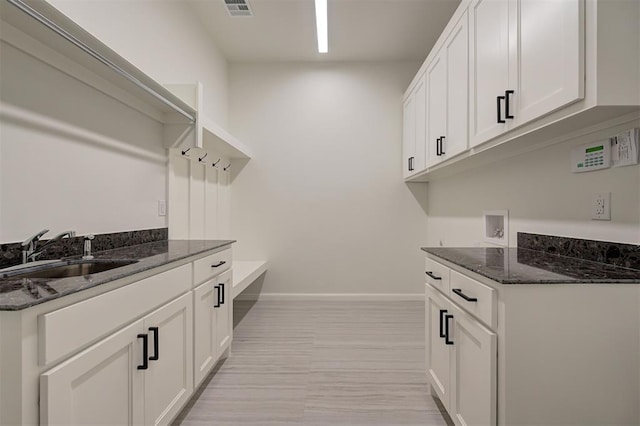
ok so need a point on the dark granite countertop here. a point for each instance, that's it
(524, 266)
(21, 293)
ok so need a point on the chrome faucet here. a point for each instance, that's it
(31, 252)
(86, 255)
(29, 245)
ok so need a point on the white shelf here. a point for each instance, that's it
(246, 272)
(56, 39)
(217, 139)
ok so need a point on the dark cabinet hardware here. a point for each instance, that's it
(447, 341)
(459, 292)
(500, 99)
(411, 163)
(433, 276)
(507, 103)
(221, 293)
(156, 344)
(442, 145)
(222, 262)
(145, 351)
(217, 305)
(438, 147)
(442, 312)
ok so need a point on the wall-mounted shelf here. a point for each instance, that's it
(40, 29)
(245, 273)
(209, 135)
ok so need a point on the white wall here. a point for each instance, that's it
(164, 38)
(542, 196)
(322, 198)
(67, 163)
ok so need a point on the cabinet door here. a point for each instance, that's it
(408, 136)
(169, 379)
(224, 312)
(550, 56)
(205, 342)
(420, 95)
(489, 74)
(457, 54)
(473, 372)
(100, 385)
(436, 76)
(437, 352)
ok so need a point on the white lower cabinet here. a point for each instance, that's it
(138, 375)
(213, 323)
(531, 353)
(461, 361)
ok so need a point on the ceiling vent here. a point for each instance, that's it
(238, 7)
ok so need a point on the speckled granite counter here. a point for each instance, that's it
(21, 293)
(524, 266)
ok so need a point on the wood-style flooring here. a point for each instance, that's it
(320, 363)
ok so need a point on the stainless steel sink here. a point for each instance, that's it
(68, 268)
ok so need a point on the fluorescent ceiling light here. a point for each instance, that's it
(321, 26)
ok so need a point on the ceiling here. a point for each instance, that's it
(359, 30)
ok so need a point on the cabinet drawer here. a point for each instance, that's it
(474, 297)
(63, 331)
(210, 266)
(437, 275)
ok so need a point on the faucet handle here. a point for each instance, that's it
(34, 238)
(86, 252)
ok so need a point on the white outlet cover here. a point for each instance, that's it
(162, 207)
(601, 206)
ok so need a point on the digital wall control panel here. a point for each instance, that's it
(593, 156)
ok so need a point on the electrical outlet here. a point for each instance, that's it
(601, 208)
(162, 208)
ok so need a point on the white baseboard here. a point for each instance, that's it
(380, 297)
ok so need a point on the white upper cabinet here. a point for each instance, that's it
(489, 74)
(414, 130)
(526, 61)
(447, 88)
(549, 63)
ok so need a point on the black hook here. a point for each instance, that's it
(215, 164)
(185, 151)
(227, 168)
(202, 158)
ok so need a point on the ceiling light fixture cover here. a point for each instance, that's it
(238, 7)
(322, 26)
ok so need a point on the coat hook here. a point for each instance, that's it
(185, 151)
(215, 164)
(202, 158)
(227, 168)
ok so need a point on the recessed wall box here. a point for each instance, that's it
(593, 156)
(496, 227)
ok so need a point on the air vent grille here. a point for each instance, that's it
(238, 7)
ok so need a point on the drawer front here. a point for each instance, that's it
(437, 275)
(210, 266)
(474, 297)
(63, 331)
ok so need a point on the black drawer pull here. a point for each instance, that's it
(442, 312)
(459, 292)
(500, 120)
(433, 276)
(145, 351)
(217, 305)
(222, 262)
(442, 138)
(446, 330)
(507, 102)
(156, 344)
(221, 293)
(438, 147)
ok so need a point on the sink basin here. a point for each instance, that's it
(70, 268)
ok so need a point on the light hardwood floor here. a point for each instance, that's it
(320, 363)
